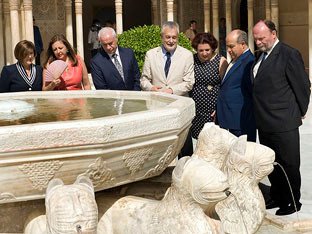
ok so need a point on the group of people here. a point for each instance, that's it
(269, 92)
(25, 76)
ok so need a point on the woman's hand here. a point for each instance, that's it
(56, 82)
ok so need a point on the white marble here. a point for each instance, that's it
(110, 150)
(195, 184)
(69, 209)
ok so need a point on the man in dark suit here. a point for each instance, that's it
(38, 42)
(234, 103)
(281, 94)
(114, 67)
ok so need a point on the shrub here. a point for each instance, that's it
(143, 38)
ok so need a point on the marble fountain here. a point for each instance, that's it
(112, 137)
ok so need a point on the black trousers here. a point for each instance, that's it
(37, 59)
(251, 134)
(287, 153)
(187, 149)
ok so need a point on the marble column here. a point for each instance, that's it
(79, 27)
(155, 13)
(15, 30)
(22, 22)
(118, 9)
(310, 39)
(175, 12)
(207, 15)
(215, 19)
(29, 30)
(7, 32)
(170, 16)
(250, 4)
(274, 13)
(228, 20)
(228, 15)
(69, 21)
(2, 52)
(268, 9)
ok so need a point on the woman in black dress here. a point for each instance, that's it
(209, 68)
(23, 75)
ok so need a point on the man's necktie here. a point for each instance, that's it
(168, 62)
(118, 66)
(264, 54)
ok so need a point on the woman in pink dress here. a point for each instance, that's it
(75, 76)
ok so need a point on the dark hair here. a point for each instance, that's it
(70, 51)
(192, 22)
(205, 38)
(270, 25)
(23, 49)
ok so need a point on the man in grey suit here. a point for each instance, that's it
(169, 68)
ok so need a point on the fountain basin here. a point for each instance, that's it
(120, 148)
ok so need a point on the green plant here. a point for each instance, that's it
(143, 38)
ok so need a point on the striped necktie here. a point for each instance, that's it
(118, 65)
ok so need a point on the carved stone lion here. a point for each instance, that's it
(247, 164)
(70, 209)
(195, 182)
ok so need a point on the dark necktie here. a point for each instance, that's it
(118, 66)
(264, 54)
(168, 62)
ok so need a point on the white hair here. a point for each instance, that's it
(107, 31)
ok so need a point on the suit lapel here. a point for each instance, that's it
(236, 65)
(112, 65)
(161, 64)
(174, 64)
(232, 69)
(270, 58)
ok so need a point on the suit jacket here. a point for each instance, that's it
(281, 90)
(12, 81)
(181, 72)
(234, 103)
(106, 76)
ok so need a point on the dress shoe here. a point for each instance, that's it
(287, 210)
(270, 204)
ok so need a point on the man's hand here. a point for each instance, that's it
(167, 91)
(156, 88)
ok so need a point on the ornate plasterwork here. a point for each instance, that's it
(134, 160)
(99, 173)
(40, 173)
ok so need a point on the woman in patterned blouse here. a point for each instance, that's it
(209, 68)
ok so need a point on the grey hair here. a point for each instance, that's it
(106, 31)
(169, 24)
(242, 37)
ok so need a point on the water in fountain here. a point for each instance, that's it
(15, 109)
(42, 110)
(240, 211)
(290, 189)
